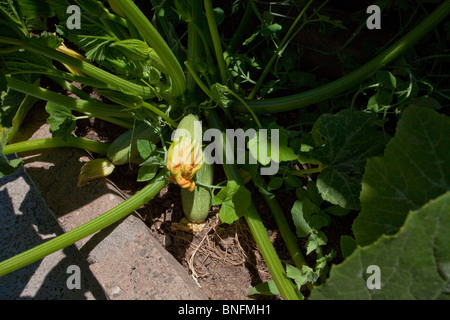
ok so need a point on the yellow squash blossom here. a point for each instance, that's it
(184, 160)
(62, 48)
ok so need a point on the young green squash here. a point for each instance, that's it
(196, 203)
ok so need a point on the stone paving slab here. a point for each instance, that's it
(127, 261)
(25, 222)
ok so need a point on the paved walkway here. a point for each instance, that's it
(123, 261)
(25, 221)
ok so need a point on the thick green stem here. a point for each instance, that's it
(288, 237)
(197, 79)
(154, 39)
(284, 285)
(160, 113)
(94, 108)
(99, 223)
(216, 40)
(56, 142)
(194, 47)
(354, 78)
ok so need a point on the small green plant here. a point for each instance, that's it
(339, 158)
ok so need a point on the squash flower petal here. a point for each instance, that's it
(184, 160)
(62, 48)
(94, 169)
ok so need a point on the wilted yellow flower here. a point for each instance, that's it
(184, 160)
(94, 169)
(62, 48)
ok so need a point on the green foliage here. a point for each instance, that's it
(153, 160)
(420, 272)
(8, 166)
(413, 170)
(62, 121)
(336, 155)
(234, 200)
(343, 142)
(263, 141)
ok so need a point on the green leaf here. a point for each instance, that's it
(255, 145)
(234, 200)
(275, 183)
(313, 193)
(379, 101)
(250, 39)
(308, 217)
(315, 241)
(348, 245)
(91, 38)
(219, 15)
(413, 264)
(7, 166)
(271, 29)
(25, 106)
(221, 95)
(145, 148)
(293, 181)
(62, 121)
(415, 168)
(343, 142)
(94, 8)
(265, 288)
(387, 79)
(302, 227)
(306, 274)
(426, 101)
(32, 9)
(133, 48)
(339, 187)
(14, 106)
(261, 142)
(147, 173)
(46, 38)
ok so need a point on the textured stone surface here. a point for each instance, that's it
(125, 259)
(25, 222)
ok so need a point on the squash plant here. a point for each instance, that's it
(153, 86)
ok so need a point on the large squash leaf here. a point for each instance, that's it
(414, 169)
(343, 142)
(413, 264)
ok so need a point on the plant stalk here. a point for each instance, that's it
(327, 91)
(216, 40)
(94, 108)
(56, 142)
(284, 285)
(106, 219)
(154, 39)
(288, 237)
